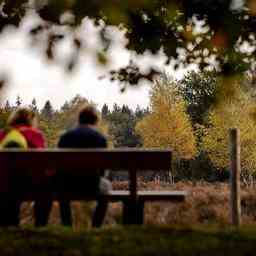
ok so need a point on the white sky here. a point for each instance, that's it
(30, 75)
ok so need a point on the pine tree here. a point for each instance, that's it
(46, 124)
(116, 108)
(18, 102)
(65, 106)
(105, 111)
(33, 106)
(122, 123)
(126, 110)
(7, 107)
(5, 112)
(139, 113)
(47, 112)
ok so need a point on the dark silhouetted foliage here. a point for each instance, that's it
(149, 26)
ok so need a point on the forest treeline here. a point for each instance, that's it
(186, 116)
(117, 123)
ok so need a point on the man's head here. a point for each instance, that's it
(88, 116)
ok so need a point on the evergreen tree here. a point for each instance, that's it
(46, 124)
(5, 113)
(105, 111)
(116, 108)
(18, 102)
(139, 112)
(7, 107)
(47, 112)
(33, 106)
(122, 123)
(65, 106)
(126, 110)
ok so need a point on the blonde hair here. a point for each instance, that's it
(21, 116)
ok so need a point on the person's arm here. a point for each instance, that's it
(40, 141)
(35, 138)
(2, 135)
(103, 144)
(62, 143)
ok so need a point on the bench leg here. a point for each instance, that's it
(140, 212)
(128, 212)
(133, 212)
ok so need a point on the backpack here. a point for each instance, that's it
(14, 139)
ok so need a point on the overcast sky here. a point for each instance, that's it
(32, 76)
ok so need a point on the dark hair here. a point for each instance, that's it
(21, 116)
(88, 115)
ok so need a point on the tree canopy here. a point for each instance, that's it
(238, 113)
(203, 32)
(199, 90)
(167, 125)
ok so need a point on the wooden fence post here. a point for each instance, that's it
(235, 170)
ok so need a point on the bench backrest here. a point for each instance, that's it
(86, 160)
(125, 159)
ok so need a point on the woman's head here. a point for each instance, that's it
(22, 116)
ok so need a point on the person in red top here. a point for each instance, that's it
(25, 122)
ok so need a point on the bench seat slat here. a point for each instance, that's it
(118, 195)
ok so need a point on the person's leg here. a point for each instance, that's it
(14, 212)
(10, 211)
(11, 204)
(61, 182)
(102, 204)
(42, 210)
(65, 213)
(99, 213)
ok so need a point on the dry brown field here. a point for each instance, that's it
(207, 203)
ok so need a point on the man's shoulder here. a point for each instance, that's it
(95, 131)
(86, 135)
(83, 131)
(68, 133)
(86, 131)
(65, 138)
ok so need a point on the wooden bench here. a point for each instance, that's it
(86, 161)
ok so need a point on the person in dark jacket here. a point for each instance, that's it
(85, 135)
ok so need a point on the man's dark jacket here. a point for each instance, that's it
(81, 137)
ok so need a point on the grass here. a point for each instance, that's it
(146, 240)
(202, 228)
